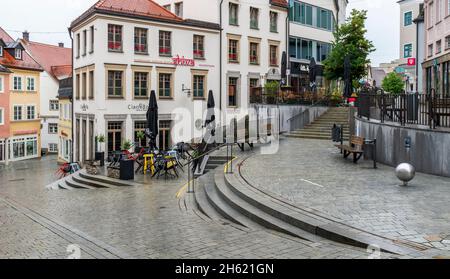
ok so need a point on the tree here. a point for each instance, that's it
(393, 84)
(349, 39)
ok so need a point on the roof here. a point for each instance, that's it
(141, 9)
(27, 62)
(57, 61)
(4, 69)
(281, 3)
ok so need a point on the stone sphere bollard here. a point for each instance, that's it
(405, 172)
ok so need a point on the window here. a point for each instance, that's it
(253, 83)
(53, 147)
(438, 10)
(77, 86)
(30, 84)
(54, 105)
(92, 39)
(254, 15)
(233, 51)
(430, 15)
(114, 37)
(273, 22)
(140, 84)
(232, 91)
(31, 112)
(78, 45)
(407, 20)
(17, 83)
(254, 53)
(140, 126)
(233, 14)
(1, 51)
(1, 84)
(306, 49)
(17, 110)
(83, 86)
(18, 54)
(179, 9)
(430, 50)
(165, 85)
(199, 86)
(164, 134)
(114, 140)
(447, 41)
(324, 19)
(164, 43)
(52, 128)
(115, 83)
(273, 55)
(167, 7)
(24, 147)
(199, 49)
(407, 50)
(303, 13)
(438, 46)
(2, 116)
(323, 50)
(140, 40)
(84, 42)
(91, 85)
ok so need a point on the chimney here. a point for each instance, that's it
(61, 44)
(26, 36)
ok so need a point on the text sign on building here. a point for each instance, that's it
(411, 61)
(181, 61)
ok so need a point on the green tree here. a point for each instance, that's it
(393, 84)
(349, 39)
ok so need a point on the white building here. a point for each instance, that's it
(311, 25)
(253, 38)
(57, 64)
(409, 10)
(123, 50)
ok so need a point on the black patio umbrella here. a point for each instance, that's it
(284, 68)
(210, 116)
(312, 73)
(152, 120)
(347, 78)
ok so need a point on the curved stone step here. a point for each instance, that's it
(107, 180)
(93, 183)
(77, 185)
(64, 186)
(255, 214)
(201, 199)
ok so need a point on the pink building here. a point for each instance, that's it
(4, 109)
(436, 66)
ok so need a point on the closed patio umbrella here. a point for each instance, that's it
(210, 116)
(312, 73)
(284, 68)
(347, 78)
(152, 120)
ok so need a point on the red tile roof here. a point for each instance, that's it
(50, 56)
(282, 3)
(27, 62)
(62, 72)
(143, 9)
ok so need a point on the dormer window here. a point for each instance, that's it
(1, 51)
(18, 54)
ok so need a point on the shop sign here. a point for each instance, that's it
(181, 61)
(139, 107)
(84, 107)
(411, 61)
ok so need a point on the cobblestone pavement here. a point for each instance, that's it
(313, 174)
(131, 222)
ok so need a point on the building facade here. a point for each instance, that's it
(65, 120)
(57, 64)
(253, 38)
(4, 108)
(123, 50)
(24, 99)
(409, 10)
(311, 26)
(436, 67)
(420, 48)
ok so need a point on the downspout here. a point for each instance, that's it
(220, 62)
(288, 66)
(71, 100)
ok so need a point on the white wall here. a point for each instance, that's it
(48, 91)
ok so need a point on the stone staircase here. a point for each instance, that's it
(321, 127)
(81, 180)
(229, 199)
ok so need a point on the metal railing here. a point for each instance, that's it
(431, 109)
(288, 97)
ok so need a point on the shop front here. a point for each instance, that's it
(299, 78)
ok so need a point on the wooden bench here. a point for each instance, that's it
(355, 148)
(440, 108)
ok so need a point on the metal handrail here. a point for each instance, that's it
(208, 152)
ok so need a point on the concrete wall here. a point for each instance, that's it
(289, 111)
(429, 152)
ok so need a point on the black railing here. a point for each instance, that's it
(288, 97)
(431, 109)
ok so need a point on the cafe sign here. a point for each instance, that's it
(138, 107)
(181, 61)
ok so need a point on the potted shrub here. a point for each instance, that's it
(271, 90)
(126, 145)
(99, 154)
(335, 98)
(126, 169)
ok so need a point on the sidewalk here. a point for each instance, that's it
(313, 174)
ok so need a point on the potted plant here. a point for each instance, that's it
(335, 98)
(271, 89)
(140, 135)
(99, 154)
(126, 169)
(126, 145)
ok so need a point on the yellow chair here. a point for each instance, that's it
(149, 159)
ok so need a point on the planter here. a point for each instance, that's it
(100, 156)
